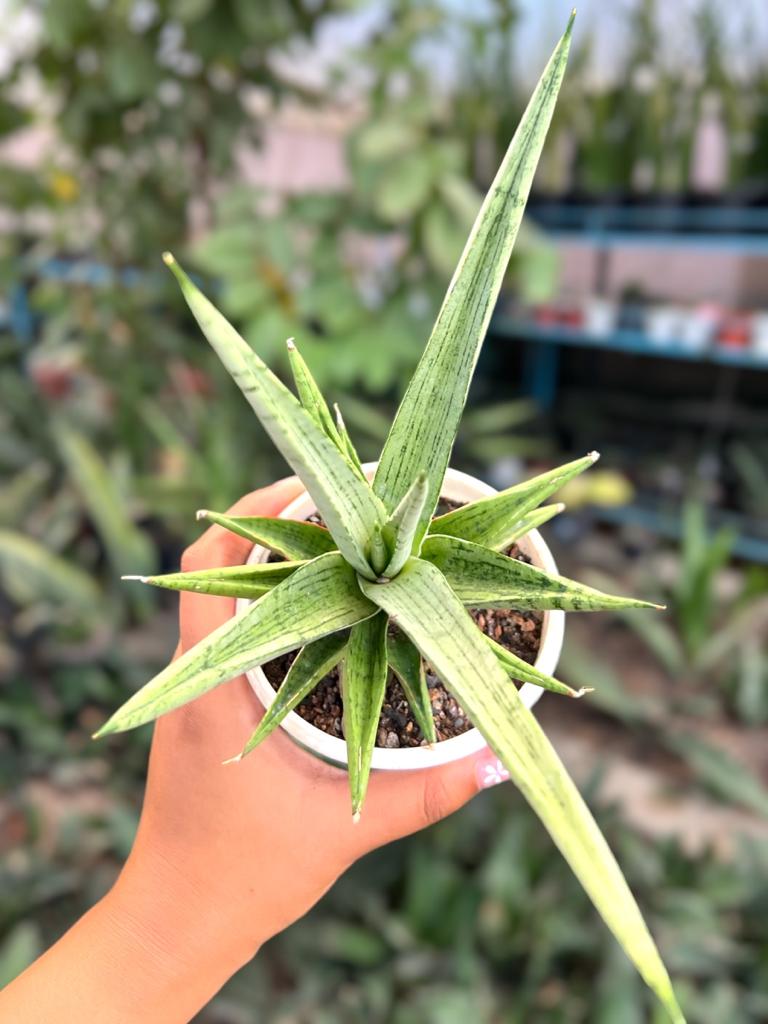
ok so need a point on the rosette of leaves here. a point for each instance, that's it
(383, 558)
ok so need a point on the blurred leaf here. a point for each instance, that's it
(19, 948)
(32, 573)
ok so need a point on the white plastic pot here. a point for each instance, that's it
(457, 487)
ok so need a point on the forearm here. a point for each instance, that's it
(145, 953)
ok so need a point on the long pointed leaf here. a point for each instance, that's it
(516, 668)
(364, 680)
(230, 581)
(423, 605)
(321, 597)
(310, 395)
(291, 538)
(347, 504)
(425, 427)
(348, 448)
(400, 529)
(530, 521)
(492, 521)
(487, 579)
(310, 665)
(405, 661)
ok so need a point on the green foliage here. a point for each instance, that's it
(708, 637)
(376, 578)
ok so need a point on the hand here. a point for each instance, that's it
(264, 838)
(228, 855)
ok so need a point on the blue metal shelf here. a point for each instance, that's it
(735, 229)
(632, 342)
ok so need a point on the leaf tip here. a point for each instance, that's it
(582, 691)
(169, 259)
(202, 513)
(233, 760)
(290, 344)
(594, 456)
(141, 579)
(356, 817)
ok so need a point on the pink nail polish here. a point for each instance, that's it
(489, 771)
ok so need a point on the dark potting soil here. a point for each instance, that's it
(518, 631)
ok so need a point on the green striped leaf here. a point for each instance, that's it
(492, 521)
(351, 452)
(364, 680)
(319, 598)
(405, 661)
(310, 395)
(378, 552)
(291, 538)
(310, 665)
(249, 581)
(346, 503)
(487, 579)
(422, 435)
(400, 529)
(530, 521)
(518, 669)
(424, 606)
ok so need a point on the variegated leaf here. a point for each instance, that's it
(530, 521)
(346, 503)
(493, 521)
(364, 680)
(405, 661)
(249, 581)
(291, 538)
(516, 668)
(321, 597)
(481, 578)
(309, 666)
(310, 395)
(422, 603)
(351, 452)
(400, 529)
(424, 429)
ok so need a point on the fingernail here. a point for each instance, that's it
(489, 771)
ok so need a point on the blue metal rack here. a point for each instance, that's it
(741, 230)
(737, 229)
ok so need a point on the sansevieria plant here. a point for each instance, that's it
(382, 557)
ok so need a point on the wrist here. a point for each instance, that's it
(174, 933)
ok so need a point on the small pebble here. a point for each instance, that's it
(391, 740)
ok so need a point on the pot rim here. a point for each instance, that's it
(457, 486)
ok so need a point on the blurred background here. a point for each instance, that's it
(318, 165)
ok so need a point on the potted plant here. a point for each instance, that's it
(381, 581)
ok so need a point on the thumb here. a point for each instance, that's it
(399, 803)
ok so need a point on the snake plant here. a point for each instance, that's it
(383, 557)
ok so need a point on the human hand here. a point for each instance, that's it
(226, 855)
(262, 839)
